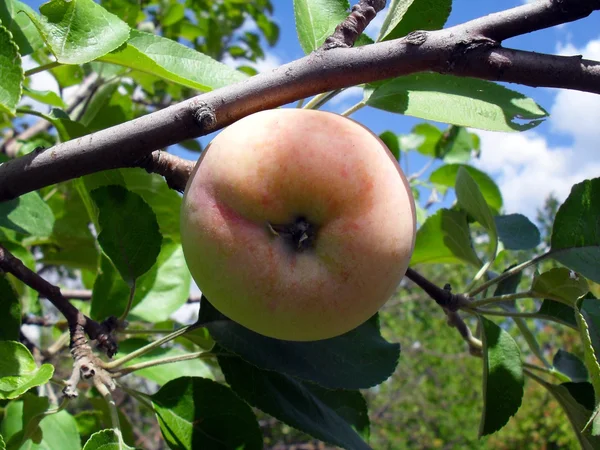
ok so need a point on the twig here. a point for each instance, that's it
(456, 50)
(176, 170)
(347, 32)
(11, 144)
(86, 294)
(443, 297)
(454, 320)
(102, 332)
(507, 273)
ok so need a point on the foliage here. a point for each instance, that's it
(115, 235)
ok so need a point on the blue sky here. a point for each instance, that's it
(527, 166)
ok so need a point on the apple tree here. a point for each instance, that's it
(91, 250)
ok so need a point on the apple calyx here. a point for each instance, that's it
(299, 235)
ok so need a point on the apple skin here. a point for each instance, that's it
(272, 168)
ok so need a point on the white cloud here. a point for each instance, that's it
(527, 167)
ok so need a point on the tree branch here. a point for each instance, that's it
(346, 33)
(456, 50)
(102, 332)
(176, 170)
(443, 297)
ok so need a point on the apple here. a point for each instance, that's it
(297, 224)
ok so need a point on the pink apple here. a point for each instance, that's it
(297, 224)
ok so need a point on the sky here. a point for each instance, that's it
(526, 166)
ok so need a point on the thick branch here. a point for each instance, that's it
(10, 264)
(454, 51)
(532, 17)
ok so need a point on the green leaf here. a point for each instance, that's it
(316, 21)
(517, 232)
(358, 359)
(561, 285)
(174, 12)
(392, 142)
(173, 62)
(129, 234)
(405, 16)
(455, 145)
(58, 431)
(2, 443)
(191, 413)
(164, 373)
(470, 198)
(105, 440)
(159, 292)
(67, 128)
(576, 412)
(165, 202)
(328, 415)
(570, 365)
(444, 238)
(71, 242)
(23, 31)
(445, 177)
(502, 377)
(575, 237)
(127, 10)
(557, 312)
(193, 145)
(107, 107)
(429, 136)
(11, 68)
(29, 297)
(10, 320)
(467, 102)
(18, 371)
(588, 321)
(34, 410)
(27, 214)
(79, 31)
(47, 97)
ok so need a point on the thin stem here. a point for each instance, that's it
(31, 112)
(129, 302)
(145, 349)
(507, 274)
(500, 298)
(300, 103)
(354, 108)
(548, 370)
(154, 331)
(319, 100)
(42, 68)
(423, 169)
(139, 396)
(167, 360)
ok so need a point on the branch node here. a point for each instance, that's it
(417, 37)
(204, 116)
